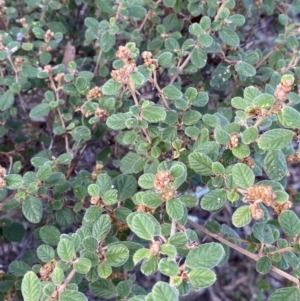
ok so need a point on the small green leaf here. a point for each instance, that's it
(65, 249)
(45, 253)
(201, 163)
(44, 173)
(49, 235)
(264, 101)
(245, 69)
(101, 227)
(249, 135)
(82, 265)
(263, 265)
(275, 139)
(275, 165)
(153, 113)
(169, 268)
(201, 278)
(146, 180)
(81, 133)
(172, 92)
(117, 121)
(243, 175)
(103, 288)
(289, 117)
(32, 209)
(117, 255)
(93, 190)
(165, 59)
(104, 270)
(31, 287)
(229, 37)
(241, 216)
(162, 291)
(290, 223)
(241, 151)
(40, 110)
(111, 87)
(13, 181)
(57, 276)
(71, 295)
(175, 209)
(207, 255)
(6, 100)
(285, 294)
(239, 103)
(142, 226)
(214, 200)
(199, 57)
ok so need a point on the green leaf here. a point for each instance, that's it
(289, 117)
(214, 200)
(117, 255)
(263, 265)
(264, 233)
(199, 57)
(126, 186)
(290, 223)
(201, 278)
(65, 158)
(146, 180)
(207, 255)
(91, 23)
(103, 288)
(110, 197)
(239, 103)
(243, 175)
(44, 173)
(111, 87)
(275, 139)
(264, 101)
(241, 151)
(229, 37)
(249, 135)
(152, 200)
(45, 253)
(82, 265)
(153, 113)
(143, 227)
(49, 235)
(6, 100)
(275, 165)
(241, 216)
(57, 276)
(104, 270)
(191, 117)
(201, 163)
(165, 59)
(31, 287)
(141, 254)
(162, 291)
(19, 268)
(32, 209)
(71, 295)
(172, 92)
(169, 3)
(169, 268)
(13, 181)
(65, 249)
(175, 209)
(40, 110)
(285, 294)
(244, 69)
(237, 19)
(101, 227)
(82, 85)
(107, 41)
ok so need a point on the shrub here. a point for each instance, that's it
(113, 113)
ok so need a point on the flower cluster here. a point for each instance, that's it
(3, 9)
(161, 184)
(234, 142)
(283, 89)
(94, 93)
(2, 175)
(122, 75)
(256, 211)
(295, 158)
(46, 271)
(249, 162)
(261, 193)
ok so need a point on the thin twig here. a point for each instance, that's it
(244, 252)
(98, 62)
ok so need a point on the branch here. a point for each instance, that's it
(244, 252)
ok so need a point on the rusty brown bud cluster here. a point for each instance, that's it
(48, 69)
(48, 36)
(122, 75)
(94, 93)
(295, 158)
(46, 271)
(97, 170)
(234, 142)
(261, 193)
(23, 22)
(3, 9)
(59, 78)
(162, 179)
(256, 211)
(2, 175)
(19, 61)
(249, 162)
(283, 89)
(143, 208)
(154, 248)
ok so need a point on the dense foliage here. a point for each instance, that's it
(171, 95)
